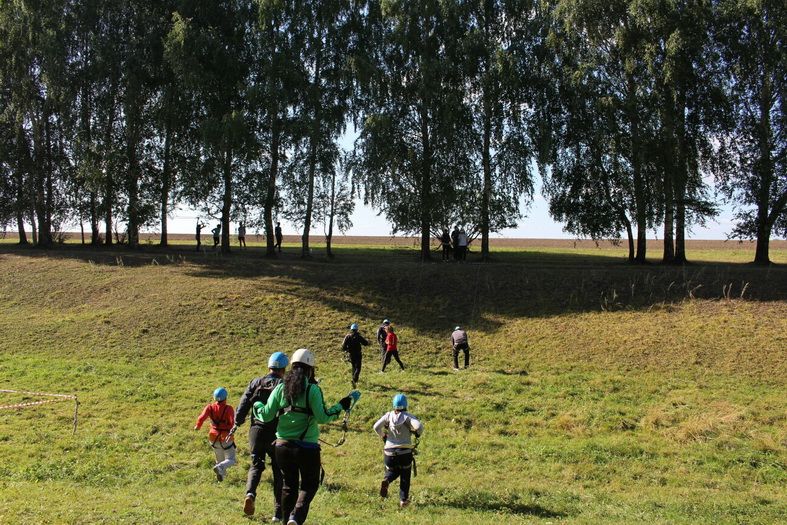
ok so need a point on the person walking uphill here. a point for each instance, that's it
(459, 342)
(222, 419)
(261, 434)
(382, 333)
(299, 403)
(391, 348)
(396, 429)
(352, 345)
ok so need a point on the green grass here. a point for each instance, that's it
(600, 392)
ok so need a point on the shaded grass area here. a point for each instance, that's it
(654, 407)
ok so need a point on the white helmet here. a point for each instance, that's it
(303, 356)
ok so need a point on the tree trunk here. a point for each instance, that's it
(639, 183)
(33, 229)
(331, 213)
(21, 169)
(82, 229)
(39, 177)
(486, 196)
(226, 207)
(94, 231)
(681, 179)
(109, 188)
(20, 227)
(132, 187)
(270, 244)
(764, 169)
(48, 185)
(426, 184)
(668, 176)
(313, 141)
(166, 175)
(630, 236)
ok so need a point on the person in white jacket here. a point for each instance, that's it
(396, 428)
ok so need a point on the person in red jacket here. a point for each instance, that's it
(391, 348)
(222, 419)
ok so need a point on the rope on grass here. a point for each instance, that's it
(27, 404)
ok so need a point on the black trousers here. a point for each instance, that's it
(466, 349)
(399, 467)
(446, 252)
(199, 242)
(260, 445)
(355, 360)
(300, 468)
(389, 355)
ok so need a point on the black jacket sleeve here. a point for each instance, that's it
(346, 343)
(364, 342)
(245, 404)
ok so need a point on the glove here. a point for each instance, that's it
(346, 402)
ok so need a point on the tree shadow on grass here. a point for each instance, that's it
(369, 284)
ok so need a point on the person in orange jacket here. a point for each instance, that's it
(391, 348)
(222, 419)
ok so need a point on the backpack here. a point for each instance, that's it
(262, 393)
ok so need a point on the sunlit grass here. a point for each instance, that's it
(598, 394)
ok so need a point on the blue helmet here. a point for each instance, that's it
(220, 394)
(400, 402)
(278, 360)
(354, 327)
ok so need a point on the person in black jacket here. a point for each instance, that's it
(352, 345)
(262, 435)
(382, 333)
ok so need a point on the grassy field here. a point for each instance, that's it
(599, 392)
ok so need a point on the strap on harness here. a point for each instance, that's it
(345, 427)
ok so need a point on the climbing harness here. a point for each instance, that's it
(58, 397)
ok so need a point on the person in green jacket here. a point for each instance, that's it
(299, 403)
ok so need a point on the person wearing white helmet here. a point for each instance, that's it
(352, 345)
(299, 403)
(396, 429)
(459, 342)
(261, 434)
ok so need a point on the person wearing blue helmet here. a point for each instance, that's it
(352, 345)
(222, 420)
(396, 429)
(261, 434)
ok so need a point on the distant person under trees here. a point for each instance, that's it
(242, 235)
(216, 235)
(198, 236)
(462, 243)
(455, 242)
(278, 235)
(445, 242)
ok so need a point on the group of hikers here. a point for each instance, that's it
(241, 235)
(456, 242)
(285, 409)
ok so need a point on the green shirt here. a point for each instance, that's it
(292, 424)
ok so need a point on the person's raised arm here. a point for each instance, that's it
(320, 413)
(244, 405)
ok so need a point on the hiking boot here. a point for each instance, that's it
(456, 369)
(404, 503)
(275, 519)
(384, 488)
(292, 521)
(219, 473)
(248, 505)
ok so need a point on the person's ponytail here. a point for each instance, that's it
(295, 381)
